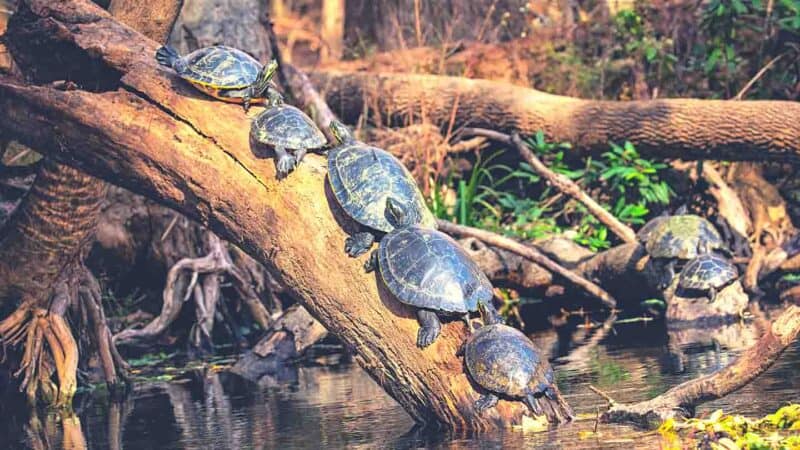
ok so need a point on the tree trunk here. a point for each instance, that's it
(160, 138)
(674, 128)
(332, 29)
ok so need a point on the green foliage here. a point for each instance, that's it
(518, 202)
(723, 431)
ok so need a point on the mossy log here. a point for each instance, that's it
(145, 129)
(671, 128)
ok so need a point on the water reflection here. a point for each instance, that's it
(334, 407)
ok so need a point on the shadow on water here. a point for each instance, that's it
(341, 406)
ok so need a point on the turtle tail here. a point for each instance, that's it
(166, 56)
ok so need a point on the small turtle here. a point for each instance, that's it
(504, 362)
(426, 268)
(362, 177)
(284, 127)
(223, 72)
(680, 238)
(707, 273)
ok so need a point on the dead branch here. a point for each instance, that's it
(532, 254)
(561, 183)
(680, 401)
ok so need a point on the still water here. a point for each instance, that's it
(340, 406)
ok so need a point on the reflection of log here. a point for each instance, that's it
(684, 128)
(680, 400)
(156, 136)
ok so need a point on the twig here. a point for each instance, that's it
(561, 183)
(531, 254)
(611, 401)
(757, 76)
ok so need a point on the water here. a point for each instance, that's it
(335, 407)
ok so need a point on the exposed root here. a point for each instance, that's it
(36, 326)
(184, 282)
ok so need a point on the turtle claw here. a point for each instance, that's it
(429, 329)
(533, 404)
(485, 402)
(358, 244)
(286, 164)
(426, 337)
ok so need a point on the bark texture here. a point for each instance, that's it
(160, 138)
(676, 128)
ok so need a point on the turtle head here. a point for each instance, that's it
(400, 215)
(270, 69)
(263, 80)
(340, 132)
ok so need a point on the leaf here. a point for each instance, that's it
(650, 53)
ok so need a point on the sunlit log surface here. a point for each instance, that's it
(144, 129)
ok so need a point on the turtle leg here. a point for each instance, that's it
(532, 403)
(372, 262)
(491, 316)
(359, 243)
(300, 154)
(247, 97)
(712, 294)
(285, 161)
(486, 401)
(429, 327)
(669, 274)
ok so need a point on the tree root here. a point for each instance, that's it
(35, 326)
(205, 294)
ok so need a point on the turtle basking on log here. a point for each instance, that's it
(224, 73)
(362, 177)
(429, 270)
(284, 127)
(707, 274)
(676, 239)
(504, 362)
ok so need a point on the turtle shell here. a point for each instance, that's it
(647, 229)
(287, 126)
(219, 67)
(363, 177)
(707, 272)
(683, 237)
(426, 268)
(503, 360)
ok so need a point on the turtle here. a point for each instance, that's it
(680, 238)
(284, 127)
(222, 72)
(505, 363)
(361, 178)
(707, 273)
(427, 269)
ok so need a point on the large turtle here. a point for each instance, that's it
(223, 72)
(362, 177)
(680, 238)
(504, 362)
(426, 268)
(707, 274)
(284, 127)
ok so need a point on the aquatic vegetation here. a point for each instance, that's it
(725, 431)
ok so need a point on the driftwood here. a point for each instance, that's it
(680, 400)
(160, 138)
(676, 128)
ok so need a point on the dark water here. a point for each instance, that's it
(335, 407)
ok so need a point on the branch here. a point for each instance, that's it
(680, 400)
(532, 254)
(561, 183)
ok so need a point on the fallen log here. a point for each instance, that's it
(670, 128)
(149, 132)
